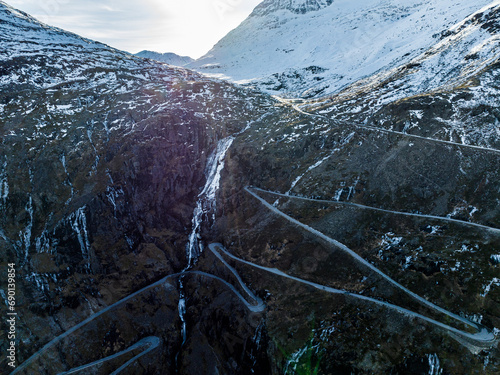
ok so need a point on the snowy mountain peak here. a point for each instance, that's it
(42, 56)
(295, 6)
(311, 48)
(18, 25)
(8, 13)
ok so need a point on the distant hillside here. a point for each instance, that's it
(169, 58)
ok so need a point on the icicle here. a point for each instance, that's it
(434, 365)
(257, 338)
(487, 288)
(130, 242)
(182, 313)
(352, 189)
(108, 173)
(343, 142)
(2, 293)
(338, 194)
(112, 194)
(63, 162)
(3, 236)
(79, 225)
(39, 280)
(314, 166)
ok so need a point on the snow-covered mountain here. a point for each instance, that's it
(352, 225)
(306, 48)
(459, 55)
(168, 57)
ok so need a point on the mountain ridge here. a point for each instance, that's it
(168, 57)
(322, 52)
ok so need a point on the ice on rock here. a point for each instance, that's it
(434, 365)
(78, 222)
(487, 288)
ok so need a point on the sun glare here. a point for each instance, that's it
(188, 27)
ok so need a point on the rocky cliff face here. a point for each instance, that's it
(103, 156)
(359, 232)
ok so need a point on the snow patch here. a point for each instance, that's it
(487, 288)
(495, 259)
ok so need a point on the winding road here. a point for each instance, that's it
(482, 339)
(259, 306)
(441, 218)
(150, 341)
(482, 336)
(296, 107)
(380, 130)
(57, 339)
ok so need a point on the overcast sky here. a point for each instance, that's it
(186, 27)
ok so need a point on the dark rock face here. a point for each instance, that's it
(446, 262)
(101, 176)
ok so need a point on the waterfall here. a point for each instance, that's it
(25, 235)
(207, 198)
(182, 311)
(4, 185)
(205, 205)
(68, 180)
